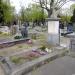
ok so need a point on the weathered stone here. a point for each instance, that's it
(72, 45)
(24, 31)
(11, 43)
(53, 31)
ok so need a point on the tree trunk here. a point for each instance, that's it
(50, 13)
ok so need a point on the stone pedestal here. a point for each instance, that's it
(53, 31)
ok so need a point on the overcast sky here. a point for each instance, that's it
(19, 3)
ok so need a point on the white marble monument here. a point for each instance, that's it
(53, 31)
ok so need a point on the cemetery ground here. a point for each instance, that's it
(17, 49)
(38, 39)
(1, 71)
(36, 42)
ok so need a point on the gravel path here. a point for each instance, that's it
(60, 66)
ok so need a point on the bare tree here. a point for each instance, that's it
(51, 6)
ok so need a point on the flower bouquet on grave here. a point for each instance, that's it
(29, 41)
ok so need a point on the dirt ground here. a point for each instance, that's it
(1, 71)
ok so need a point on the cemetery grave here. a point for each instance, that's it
(12, 46)
(26, 61)
(27, 56)
(16, 48)
(33, 52)
(21, 52)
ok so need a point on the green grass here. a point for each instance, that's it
(17, 60)
(20, 60)
(4, 36)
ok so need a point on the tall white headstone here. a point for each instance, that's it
(53, 31)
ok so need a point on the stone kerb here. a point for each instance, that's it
(25, 68)
(6, 65)
(29, 66)
(52, 19)
(12, 43)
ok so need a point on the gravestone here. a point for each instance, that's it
(24, 30)
(13, 29)
(53, 31)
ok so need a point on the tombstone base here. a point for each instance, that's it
(53, 39)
